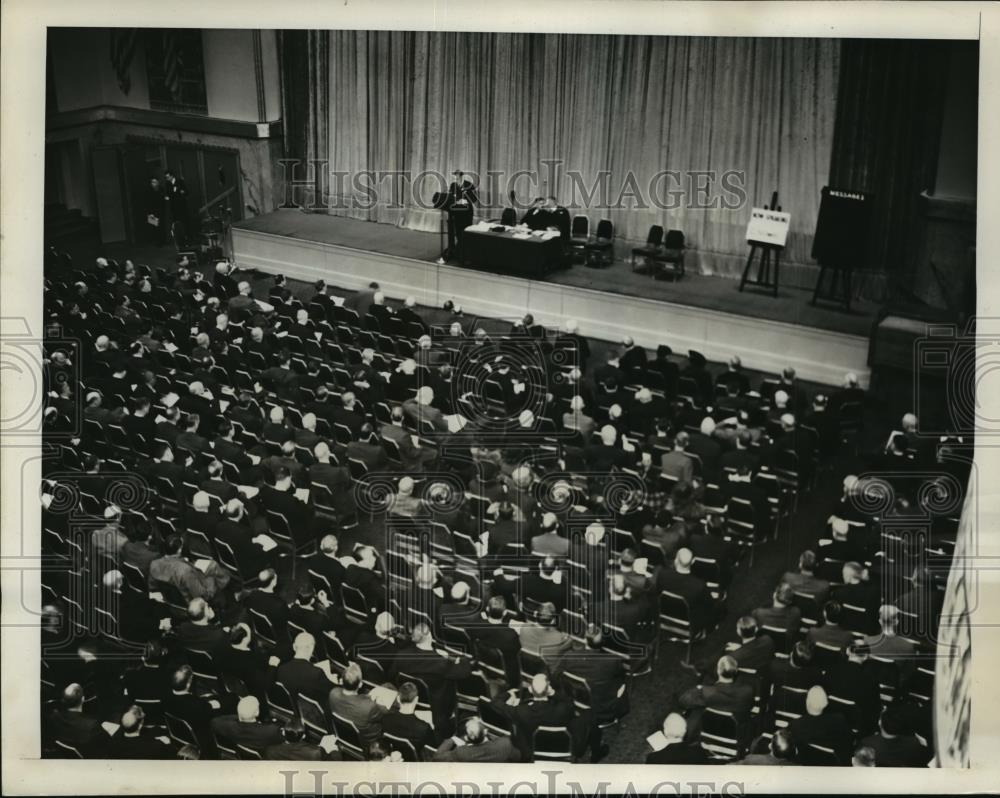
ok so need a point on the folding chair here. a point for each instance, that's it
(675, 620)
(720, 734)
(552, 744)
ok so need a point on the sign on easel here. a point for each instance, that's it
(768, 227)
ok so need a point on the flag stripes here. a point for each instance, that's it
(122, 50)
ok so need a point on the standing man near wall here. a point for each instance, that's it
(156, 212)
(177, 192)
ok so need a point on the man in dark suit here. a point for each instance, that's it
(438, 669)
(310, 614)
(632, 360)
(677, 751)
(295, 747)
(216, 484)
(361, 710)
(742, 455)
(266, 601)
(821, 726)
(462, 197)
(235, 531)
(540, 705)
(326, 565)
(244, 728)
(604, 673)
(402, 721)
(368, 450)
(225, 448)
(895, 745)
(199, 631)
(361, 575)
(413, 458)
(753, 650)
(475, 746)
(140, 426)
(132, 742)
(496, 634)
(536, 215)
(734, 376)
(176, 192)
(705, 611)
(299, 674)
(830, 633)
(546, 585)
(69, 725)
(336, 478)
(676, 463)
(805, 580)
(282, 499)
(856, 679)
(361, 300)
(782, 614)
(858, 592)
(198, 712)
(155, 212)
(726, 695)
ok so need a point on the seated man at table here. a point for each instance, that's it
(535, 217)
(556, 217)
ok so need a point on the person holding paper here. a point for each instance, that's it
(473, 745)
(670, 745)
(347, 701)
(438, 669)
(295, 748)
(403, 721)
(131, 742)
(245, 727)
(199, 631)
(192, 582)
(266, 601)
(68, 724)
(603, 671)
(196, 710)
(299, 674)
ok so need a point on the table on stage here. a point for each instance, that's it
(511, 252)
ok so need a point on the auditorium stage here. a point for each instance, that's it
(699, 312)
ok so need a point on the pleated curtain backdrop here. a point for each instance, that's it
(423, 102)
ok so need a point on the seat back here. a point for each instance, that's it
(605, 229)
(675, 616)
(279, 700)
(580, 227)
(552, 744)
(655, 236)
(314, 718)
(508, 217)
(674, 240)
(789, 704)
(180, 730)
(493, 719)
(720, 733)
(348, 737)
(401, 744)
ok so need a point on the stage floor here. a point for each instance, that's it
(791, 306)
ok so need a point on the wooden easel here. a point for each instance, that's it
(839, 289)
(770, 254)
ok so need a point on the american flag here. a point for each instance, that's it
(122, 50)
(173, 62)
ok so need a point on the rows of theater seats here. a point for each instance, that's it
(211, 454)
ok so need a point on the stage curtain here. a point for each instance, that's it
(435, 102)
(305, 95)
(890, 107)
